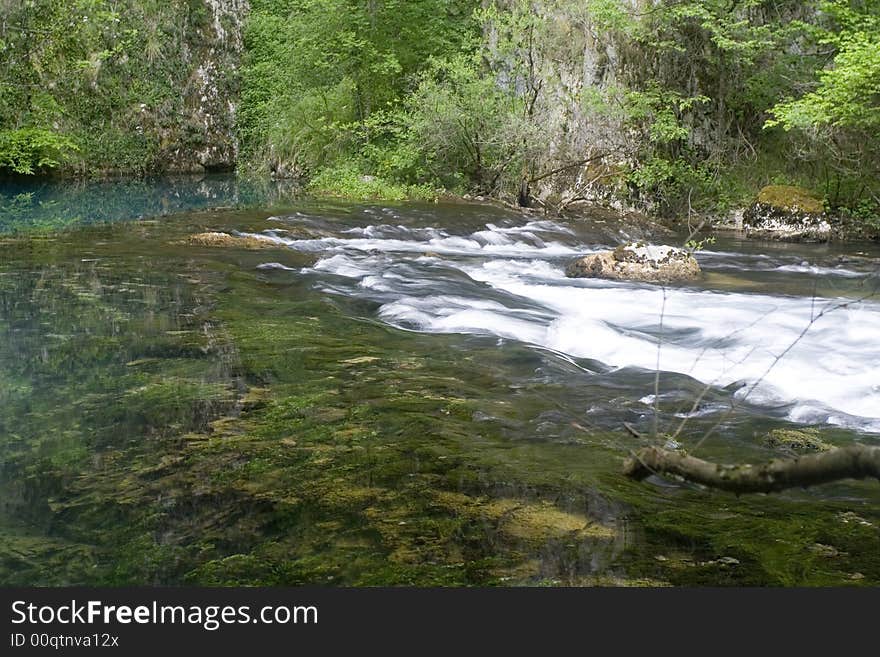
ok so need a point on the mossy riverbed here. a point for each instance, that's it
(170, 414)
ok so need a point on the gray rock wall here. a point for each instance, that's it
(205, 139)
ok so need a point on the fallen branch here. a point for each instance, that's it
(854, 462)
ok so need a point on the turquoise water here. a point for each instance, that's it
(27, 204)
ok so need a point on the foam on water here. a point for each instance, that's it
(275, 265)
(509, 282)
(514, 242)
(807, 268)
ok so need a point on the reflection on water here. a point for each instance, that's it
(27, 204)
(378, 398)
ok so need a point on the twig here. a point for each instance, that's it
(815, 318)
(632, 430)
(657, 368)
(570, 166)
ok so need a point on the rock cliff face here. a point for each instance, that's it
(573, 65)
(205, 139)
(605, 90)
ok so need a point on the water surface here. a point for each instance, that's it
(28, 204)
(417, 395)
(447, 272)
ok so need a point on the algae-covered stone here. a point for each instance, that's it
(825, 551)
(804, 440)
(530, 521)
(849, 517)
(637, 262)
(787, 212)
(228, 240)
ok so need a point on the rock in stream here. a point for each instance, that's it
(637, 262)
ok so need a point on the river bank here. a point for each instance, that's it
(46, 204)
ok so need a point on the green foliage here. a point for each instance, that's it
(347, 180)
(658, 113)
(837, 123)
(466, 125)
(847, 95)
(671, 173)
(317, 71)
(464, 130)
(28, 150)
(864, 216)
(848, 92)
(699, 245)
(611, 15)
(675, 186)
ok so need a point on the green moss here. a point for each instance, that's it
(790, 198)
(207, 424)
(806, 440)
(100, 91)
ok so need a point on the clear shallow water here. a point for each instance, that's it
(411, 395)
(27, 204)
(506, 279)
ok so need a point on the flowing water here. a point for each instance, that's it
(505, 278)
(416, 394)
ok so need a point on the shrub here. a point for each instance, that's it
(28, 150)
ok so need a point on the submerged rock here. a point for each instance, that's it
(801, 440)
(225, 239)
(785, 212)
(637, 262)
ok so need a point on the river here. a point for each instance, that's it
(412, 394)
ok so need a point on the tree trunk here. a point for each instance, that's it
(524, 199)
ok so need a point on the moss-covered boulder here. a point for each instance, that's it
(787, 212)
(637, 262)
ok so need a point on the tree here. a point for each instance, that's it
(463, 129)
(318, 72)
(839, 118)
